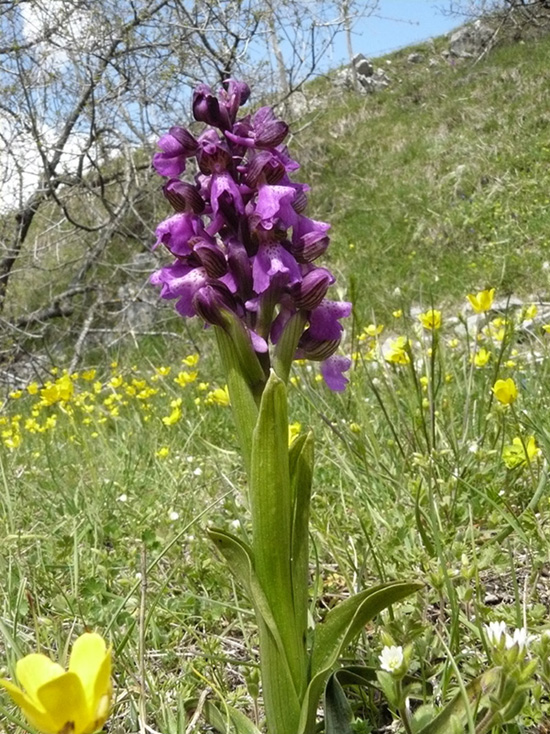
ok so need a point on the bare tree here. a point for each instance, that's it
(85, 91)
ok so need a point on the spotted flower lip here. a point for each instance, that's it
(242, 242)
(56, 701)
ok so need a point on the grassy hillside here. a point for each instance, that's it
(440, 183)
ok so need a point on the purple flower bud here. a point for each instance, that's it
(183, 196)
(309, 239)
(226, 201)
(299, 203)
(315, 349)
(313, 287)
(234, 96)
(239, 264)
(269, 132)
(206, 108)
(211, 258)
(178, 145)
(211, 300)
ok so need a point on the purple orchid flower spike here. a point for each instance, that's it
(242, 243)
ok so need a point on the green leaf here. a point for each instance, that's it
(230, 721)
(348, 618)
(286, 346)
(338, 713)
(301, 474)
(281, 699)
(335, 632)
(245, 379)
(271, 504)
(458, 707)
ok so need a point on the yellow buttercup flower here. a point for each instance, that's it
(397, 351)
(505, 391)
(520, 452)
(56, 701)
(529, 312)
(430, 319)
(482, 301)
(481, 358)
(220, 396)
(191, 361)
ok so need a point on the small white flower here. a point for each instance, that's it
(473, 448)
(173, 515)
(495, 631)
(519, 637)
(391, 658)
(122, 498)
(197, 472)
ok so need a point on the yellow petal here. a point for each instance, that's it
(87, 657)
(64, 700)
(34, 670)
(35, 714)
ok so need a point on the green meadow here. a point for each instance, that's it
(427, 467)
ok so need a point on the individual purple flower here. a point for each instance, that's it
(213, 154)
(324, 321)
(176, 231)
(177, 145)
(274, 260)
(332, 370)
(274, 208)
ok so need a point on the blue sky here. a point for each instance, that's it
(397, 23)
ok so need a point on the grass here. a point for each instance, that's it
(109, 480)
(104, 514)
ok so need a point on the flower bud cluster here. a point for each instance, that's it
(239, 235)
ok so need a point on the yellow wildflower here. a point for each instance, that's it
(16, 394)
(220, 396)
(56, 701)
(546, 328)
(481, 357)
(163, 452)
(520, 452)
(191, 361)
(89, 375)
(529, 312)
(294, 430)
(397, 314)
(175, 415)
(482, 301)
(185, 378)
(373, 329)
(505, 391)
(33, 388)
(397, 351)
(59, 391)
(163, 371)
(452, 343)
(430, 319)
